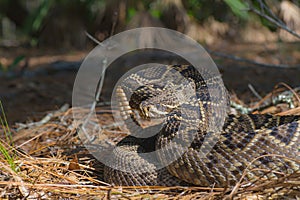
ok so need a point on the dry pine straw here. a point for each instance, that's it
(52, 163)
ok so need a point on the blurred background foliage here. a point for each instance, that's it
(42, 43)
(63, 23)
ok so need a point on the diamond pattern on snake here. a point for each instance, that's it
(197, 142)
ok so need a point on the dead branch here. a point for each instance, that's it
(271, 17)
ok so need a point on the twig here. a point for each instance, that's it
(45, 119)
(93, 39)
(254, 91)
(98, 89)
(274, 20)
(239, 183)
(290, 89)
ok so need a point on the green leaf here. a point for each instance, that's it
(35, 20)
(131, 13)
(15, 62)
(155, 13)
(2, 68)
(238, 8)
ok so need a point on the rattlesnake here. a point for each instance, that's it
(245, 144)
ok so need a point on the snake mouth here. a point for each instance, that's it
(157, 111)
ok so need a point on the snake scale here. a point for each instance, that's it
(247, 146)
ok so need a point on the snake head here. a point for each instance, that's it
(153, 101)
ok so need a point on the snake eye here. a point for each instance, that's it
(147, 108)
(144, 111)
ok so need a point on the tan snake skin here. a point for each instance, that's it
(260, 146)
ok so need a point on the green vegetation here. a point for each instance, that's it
(13, 65)
(6, 148)
(31, 17)
(238, 7)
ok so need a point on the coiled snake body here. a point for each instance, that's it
(260, 146)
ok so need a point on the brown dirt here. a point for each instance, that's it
(30, 97)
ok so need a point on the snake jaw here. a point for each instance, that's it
(151, 111)
(154, 111)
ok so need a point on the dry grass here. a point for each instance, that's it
(52, 163)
